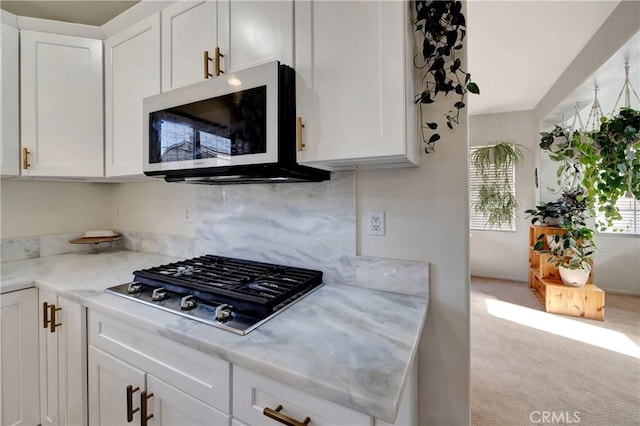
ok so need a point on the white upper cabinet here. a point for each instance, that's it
(132, 72)
(9, 88)
(189, 28)
(354, 85)
(255, 32)
(61, 105)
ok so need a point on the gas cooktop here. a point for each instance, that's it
(233, 294)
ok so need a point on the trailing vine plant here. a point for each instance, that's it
(605, 163)
(441, 26)
(496, 198)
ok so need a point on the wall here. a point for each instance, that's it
(502, 254)
(427, 219)
(33, 208)
(153, 207)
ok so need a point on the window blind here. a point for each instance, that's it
(629, 209)
(478, 221)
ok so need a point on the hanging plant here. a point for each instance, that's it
(605, 163)
(612, 166)
(441, 26)
(496, 198)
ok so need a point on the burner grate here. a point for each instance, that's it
(253, 287)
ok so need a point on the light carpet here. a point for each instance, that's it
(532, 367)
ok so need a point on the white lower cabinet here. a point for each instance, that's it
(255, 395)
(63, 398)
(135, 376)
(133, 372)
(257, 398)
(19, 358)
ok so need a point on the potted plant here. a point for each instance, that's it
(604, 161)
(441, 28)
(548, 214)
(496, 199)
(571, 253)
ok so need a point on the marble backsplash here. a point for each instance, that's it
(41, 246)
(309, 225)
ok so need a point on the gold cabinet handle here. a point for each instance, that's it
(144, 396)
(45, 315)
(25, 158)
(52, 322)
(130, 410)
(299, 127)
(282, 418)
(49, 316)
(217, 62)
(206, 60)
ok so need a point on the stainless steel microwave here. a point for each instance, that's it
(236, 128)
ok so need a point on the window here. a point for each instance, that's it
(478, 221)
(629, 209)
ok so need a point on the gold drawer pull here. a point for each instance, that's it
(282, 418)
(52, 323)
(144, 396)
(299, 126)
(49, 316)
(130, 410)
(25, 158)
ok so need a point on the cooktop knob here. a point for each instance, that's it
(158, 294)
(223, 312)
(134, 287)
(188, 302)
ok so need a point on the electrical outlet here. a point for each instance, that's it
(188, 218)
(118, 212)
(375, 223)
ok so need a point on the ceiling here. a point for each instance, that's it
(89, 12)
(517, 50)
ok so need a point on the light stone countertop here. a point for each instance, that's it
(349, 345)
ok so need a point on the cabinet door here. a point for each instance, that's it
(351, 86)
(255, 32)
(72, 399)
(61, 105)
(172, 407)
(108, 381)
(49, 361)
(132, 72)
(19, 358)
(188, 29)
(9, 117)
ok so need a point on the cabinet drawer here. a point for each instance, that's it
(195, 373)
(252, 393)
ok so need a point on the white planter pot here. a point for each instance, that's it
(552, 221)
(573, 277)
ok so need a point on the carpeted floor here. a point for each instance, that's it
(531, 367)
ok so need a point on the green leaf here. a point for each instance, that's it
(473, 88)
(432, 126)
(435, 137)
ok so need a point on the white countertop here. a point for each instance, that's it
(346, 344)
